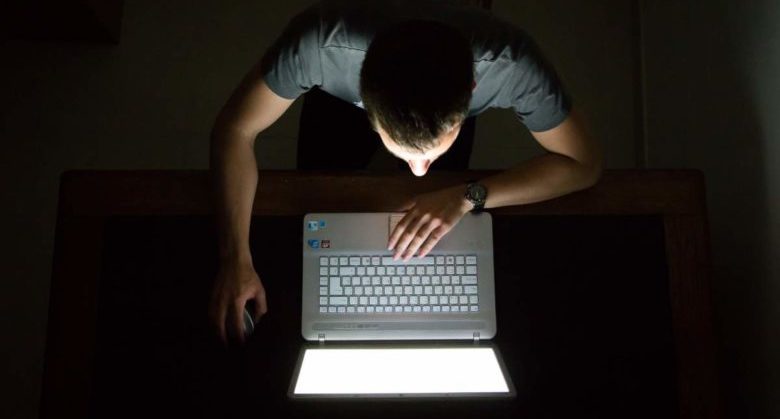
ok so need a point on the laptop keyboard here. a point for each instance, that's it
(379, 284)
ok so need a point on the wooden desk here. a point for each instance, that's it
(90, 200)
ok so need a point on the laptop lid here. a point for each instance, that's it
(406, 370)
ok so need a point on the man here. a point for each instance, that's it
(419, 69)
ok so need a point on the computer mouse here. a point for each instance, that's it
(249, 323)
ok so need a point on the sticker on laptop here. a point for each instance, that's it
(325, 244)
(313, 225)
(322, 224)
(315, 244)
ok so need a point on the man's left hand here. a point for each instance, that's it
(429, 217)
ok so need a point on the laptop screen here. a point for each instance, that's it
(400, 372)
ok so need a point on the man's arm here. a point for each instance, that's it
(252, 108)
(573, 162)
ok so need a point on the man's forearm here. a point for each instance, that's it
(541, 178)
(234, 175)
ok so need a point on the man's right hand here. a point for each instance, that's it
(236, 283)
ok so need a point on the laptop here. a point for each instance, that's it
(410, 321)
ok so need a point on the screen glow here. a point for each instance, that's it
(400, 371)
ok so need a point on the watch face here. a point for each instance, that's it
(477, 192)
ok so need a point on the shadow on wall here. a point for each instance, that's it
(702, 113)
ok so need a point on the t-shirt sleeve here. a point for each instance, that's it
(537, 93)
(292, 66)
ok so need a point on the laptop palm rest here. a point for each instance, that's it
(368, 325)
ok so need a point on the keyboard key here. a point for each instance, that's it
(361, 309)
(353, 301)
(438, 290)
(323, 309)
(397, 309)
(331, 309)
(334, 260)
(415, 280)
(426, 309)
(459, 260)
(447, 290)
(350, 309)
(355, 281)
(470, 289)
(436, 280)
(418, 289)
(354, 261)
(335, 286)
(463, 299)
(323, 301)
(338, 301)
(364, 281)
(323, 270)
(440, 260)
(424, 300)
(450, 270)
(440, 270)
(471, 260)
(324, 281)
(416, 309)
(455, 280)
(333, 271)
(405, 280)
(373, 300)
(370, 309)
(343, 261)
(396, 280)
(473, 308)
(436, 309)
(347, 271)
(375, 260)
(457, 290)
(450, 260)
(346, 280)
(342, 309)
(361, 270)
(426, 280)
(468, 280)
(323, 290)
(445, 309)
(459, 270)
(403, 300)
(365, 260)
(413, 300)
(407, 309)
(471, 269)
(473, 299)
(464, 309)
(358, 291)
(371, 271)
(434, 299)
(400, 270)
(453, 299)
(363, 300)
(381, 271)
(324, 261)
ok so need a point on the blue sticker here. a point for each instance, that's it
(313, 225)
(322, 224)
(314, 244)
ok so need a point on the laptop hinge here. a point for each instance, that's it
(476, 337)
(321, 338)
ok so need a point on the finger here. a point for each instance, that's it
(400, 228)
(408, 235)
(261, 307)
(419, 239)
(237, 319)
(217, 315)
(432, 239)
(406, 206)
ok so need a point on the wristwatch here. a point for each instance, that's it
(476, 193)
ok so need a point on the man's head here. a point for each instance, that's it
(416, 84)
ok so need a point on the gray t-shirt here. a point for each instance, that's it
(324, 46)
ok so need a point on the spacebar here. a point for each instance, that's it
(428, 260)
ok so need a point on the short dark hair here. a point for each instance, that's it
(416, 81)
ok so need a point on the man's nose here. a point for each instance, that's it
(419, 167)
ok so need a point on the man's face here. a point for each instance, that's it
(419, 162)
